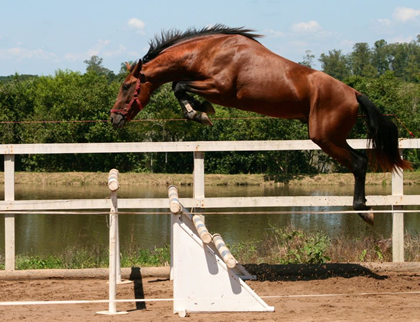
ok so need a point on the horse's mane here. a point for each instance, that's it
(171, 37)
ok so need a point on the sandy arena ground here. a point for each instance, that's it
(392, 295)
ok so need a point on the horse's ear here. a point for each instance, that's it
(127, 64)
(137, 69)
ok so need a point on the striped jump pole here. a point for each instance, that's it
(227, 257)
(176, 208)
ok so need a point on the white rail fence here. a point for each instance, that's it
(10, 206)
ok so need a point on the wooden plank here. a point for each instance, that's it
(210, 203)
(203, 146)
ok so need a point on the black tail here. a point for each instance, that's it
(383, 134)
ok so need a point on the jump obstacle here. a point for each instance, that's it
(206, 277)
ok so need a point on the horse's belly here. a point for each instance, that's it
(285, 110)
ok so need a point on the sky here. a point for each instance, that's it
(43, 36)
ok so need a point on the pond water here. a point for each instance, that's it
(39, 234)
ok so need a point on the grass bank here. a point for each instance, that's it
(278, 246)
(162, 179)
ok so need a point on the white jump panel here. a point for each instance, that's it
(202, 281)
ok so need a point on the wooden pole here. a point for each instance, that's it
(398, 218)
(9, 220)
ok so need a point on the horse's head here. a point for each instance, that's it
(129, 100)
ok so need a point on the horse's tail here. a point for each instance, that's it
(383, 134)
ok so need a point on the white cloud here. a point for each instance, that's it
(74, 56)
(24, 53)
(307, 27)
(384, 22)
(137, 25)
(404, 14)
(115, 52)
(101, 49)
(298, 44)
(346, 44)
(402, 39)
(98, 47)
(277, 34)
(382, 26)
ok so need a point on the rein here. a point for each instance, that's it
(135, 99)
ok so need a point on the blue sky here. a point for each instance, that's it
(40, 37)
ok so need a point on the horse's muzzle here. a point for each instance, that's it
(117, 120)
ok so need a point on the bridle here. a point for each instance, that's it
(126, 110)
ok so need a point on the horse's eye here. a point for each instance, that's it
(125, 87)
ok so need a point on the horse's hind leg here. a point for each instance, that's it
(190, 106)
(359, 162)
(353, 160)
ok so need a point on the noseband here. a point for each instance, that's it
(135, 99)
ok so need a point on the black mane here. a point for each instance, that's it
(173, 36)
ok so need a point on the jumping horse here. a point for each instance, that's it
(229, 67)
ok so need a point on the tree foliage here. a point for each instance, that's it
(403, 59)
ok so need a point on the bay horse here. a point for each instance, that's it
(229, 67)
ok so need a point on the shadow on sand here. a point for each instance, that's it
(307, 272)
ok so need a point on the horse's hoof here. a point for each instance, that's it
(203, 119)
(207, 107)
(368, 217)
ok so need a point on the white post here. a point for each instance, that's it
(113, 185)
(199, 179)
(112, 256)
(198, 175)
(118, 255)
(117, 251)
(397, 218)
(9, 220)
(175, 209)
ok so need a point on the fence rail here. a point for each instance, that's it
(198, 200)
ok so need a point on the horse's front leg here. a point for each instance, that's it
(192, 109)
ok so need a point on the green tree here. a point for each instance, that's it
(405, 60)
(380, 56)
(360, 60)
(94, 65)
(308, 59)
(335, 64)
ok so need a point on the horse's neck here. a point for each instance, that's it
(168, 67)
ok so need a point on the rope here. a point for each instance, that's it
(302, 212)
(399, 120)
(178, 120)
(136, 120)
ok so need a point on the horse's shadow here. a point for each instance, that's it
(308, 272)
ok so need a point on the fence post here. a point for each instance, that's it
(113, 186)
(397, 218)
(198, 174)
(9, 220)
